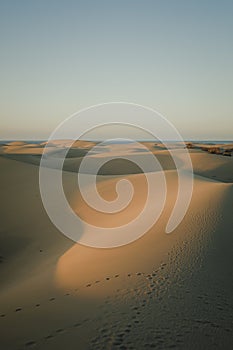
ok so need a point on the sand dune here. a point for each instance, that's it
(162, 291)
(213, 166)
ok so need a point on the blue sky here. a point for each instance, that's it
(171, 55)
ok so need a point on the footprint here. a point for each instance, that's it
(77, 324)
(37, 305)
(3, 315)
(88, 285)
(104, 330)
(49, 336)
(60, 330)
(127, 330)
(120, 335)
(30, 343)
(51, 299)
(18, 309)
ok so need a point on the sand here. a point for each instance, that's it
(161, 291)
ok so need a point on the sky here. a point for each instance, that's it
(58, 57)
